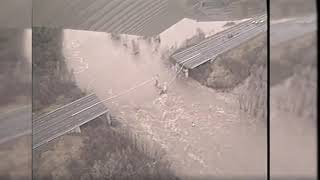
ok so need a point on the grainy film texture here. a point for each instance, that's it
(293, 89)
(15, 89)
(149, 89)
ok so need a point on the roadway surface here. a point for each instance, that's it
(15, 123)
(66, 118)
(221, 42)
(293, 28)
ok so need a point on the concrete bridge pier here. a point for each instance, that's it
(186, 73)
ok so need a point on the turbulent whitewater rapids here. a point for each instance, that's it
(203, 131)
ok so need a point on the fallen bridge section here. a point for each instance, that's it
(66, 118)
(213, 46)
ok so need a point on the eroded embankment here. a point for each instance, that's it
(241, 70)
(233, 67)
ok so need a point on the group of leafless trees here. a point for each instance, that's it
(253, 88)
(232, 68)
(253, 96)
(118, 154)
(51, 77)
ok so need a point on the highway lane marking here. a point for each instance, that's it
(222, 38)
(244, 31)
(41, 126)
(73, 102)
(65, 113)
(221, 34)
(40, 141)
(227, 43)
(210, 39)
(182, 62)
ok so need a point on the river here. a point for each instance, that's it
(202, 131)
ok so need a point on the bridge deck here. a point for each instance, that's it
(66, 118)
(221, 42)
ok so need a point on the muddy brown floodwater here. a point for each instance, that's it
(222, 142)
